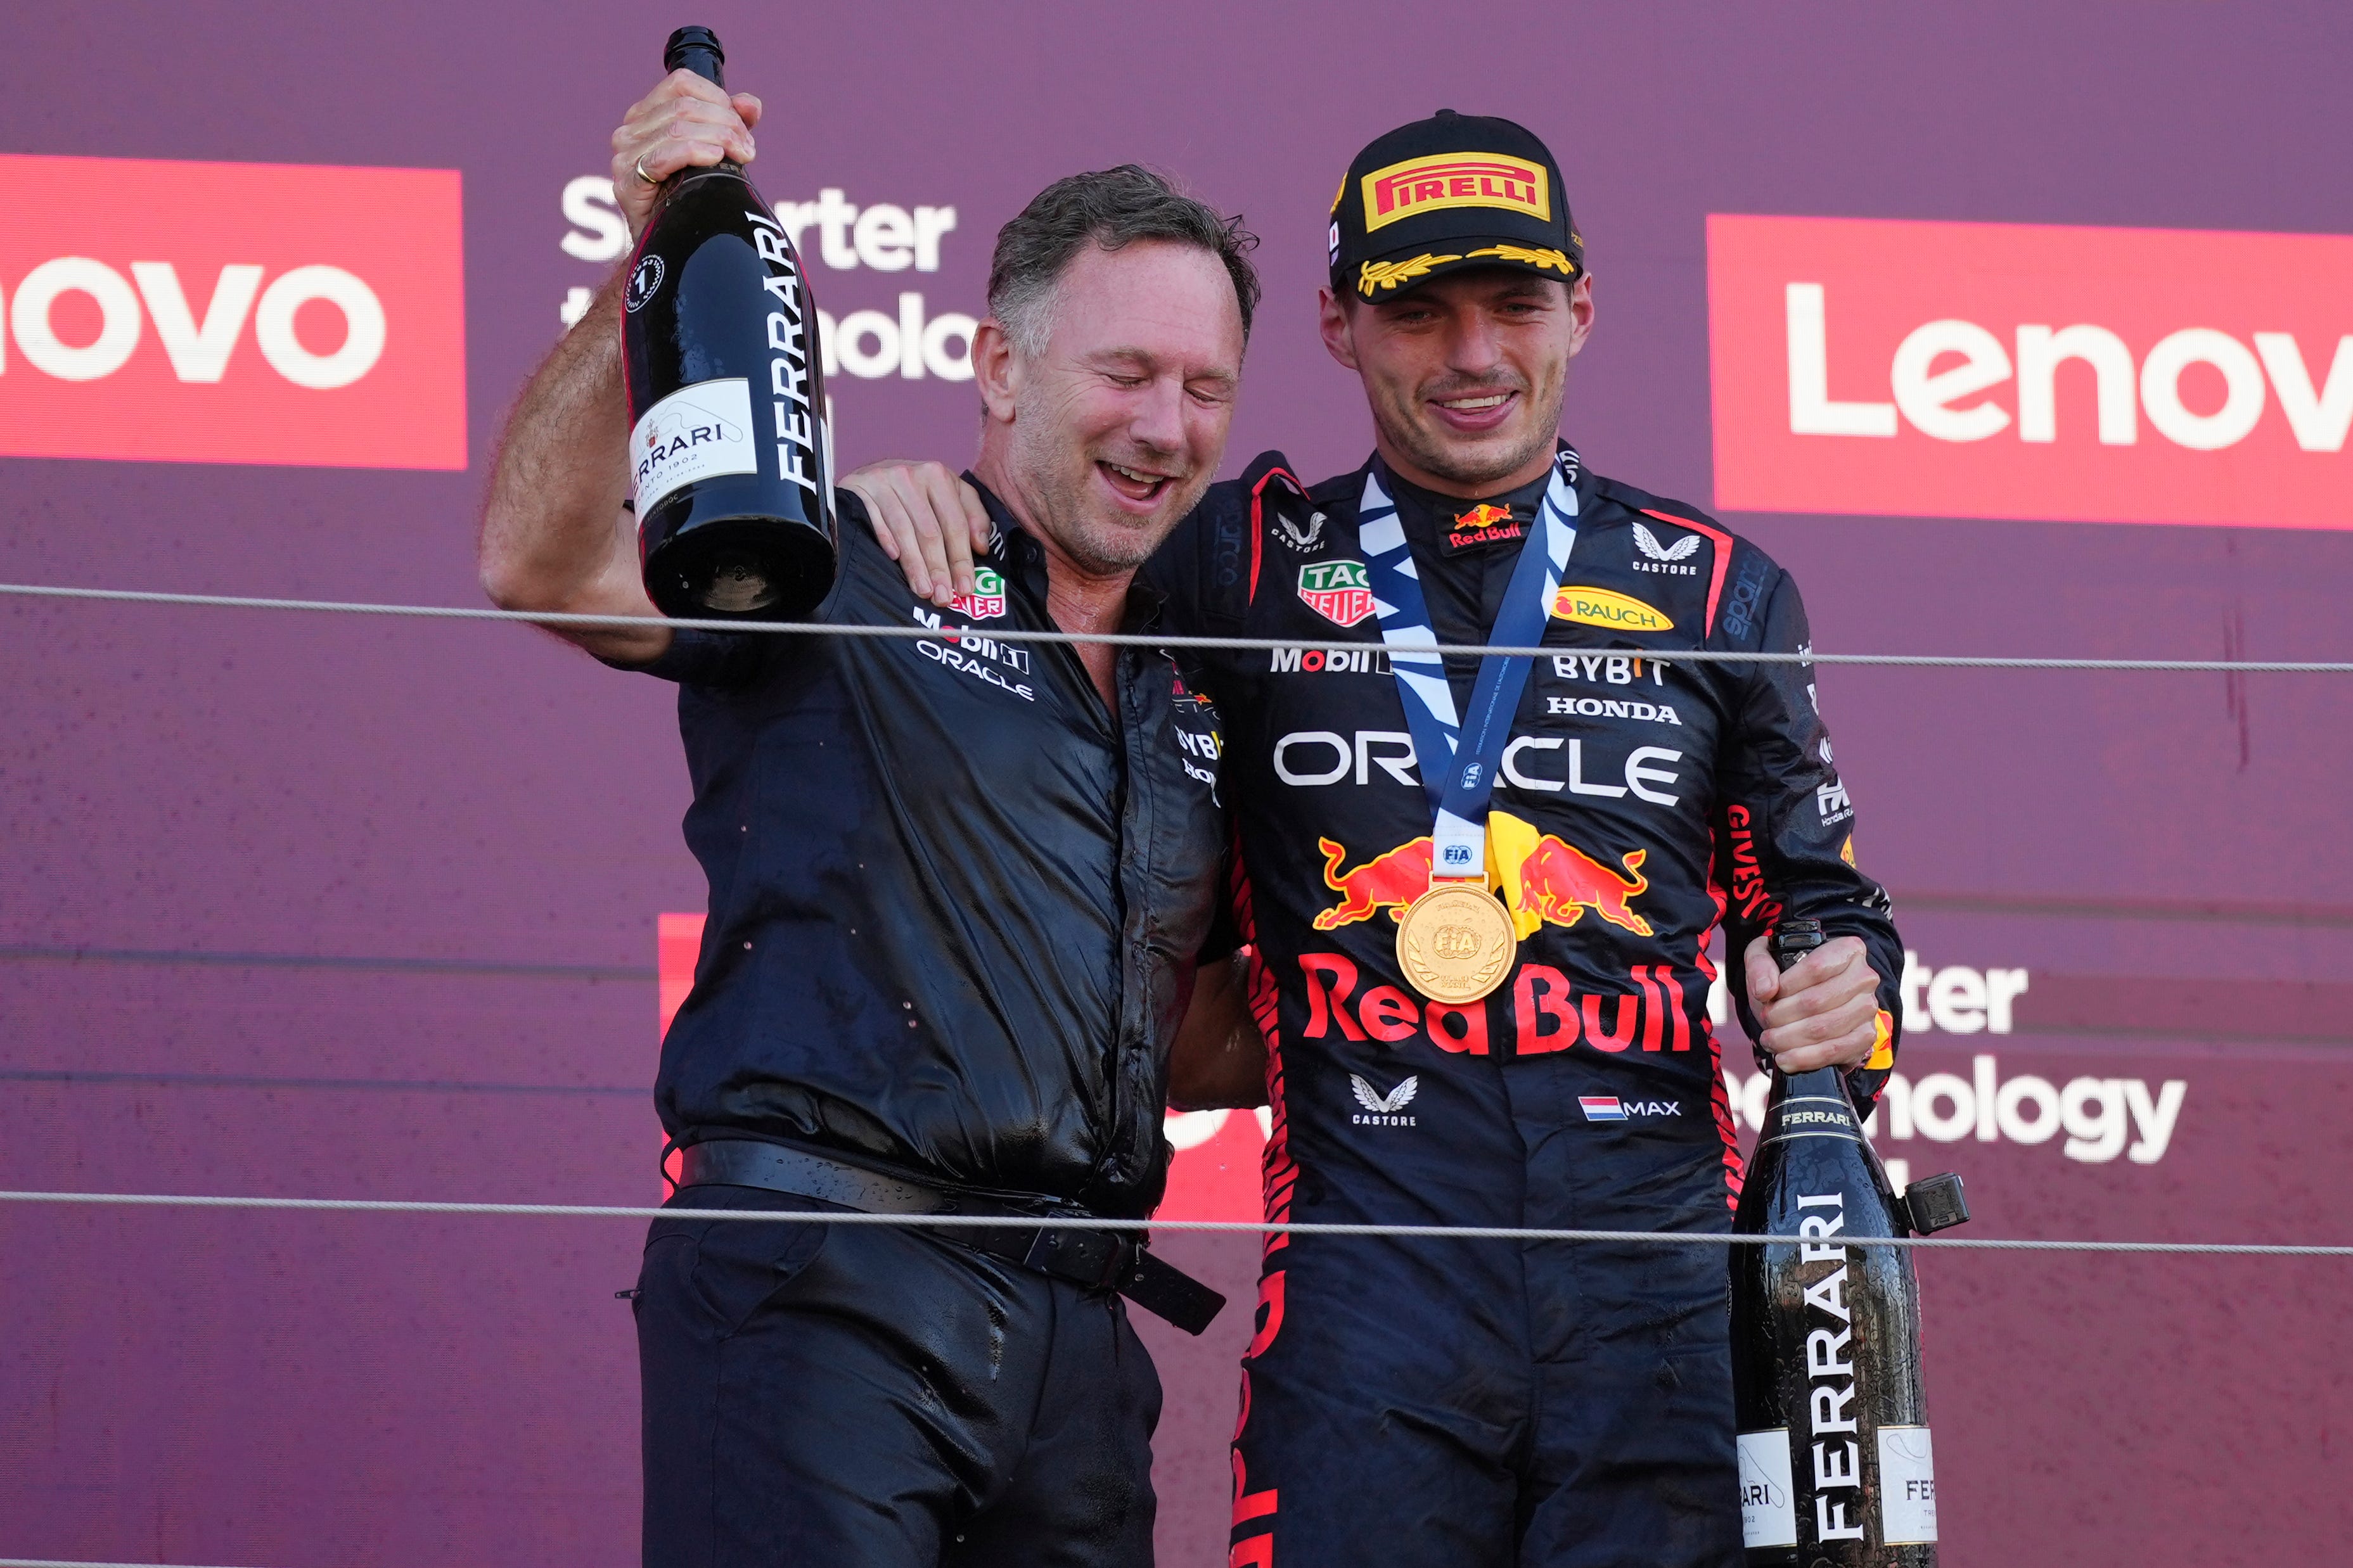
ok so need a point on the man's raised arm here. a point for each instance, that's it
(553, 534)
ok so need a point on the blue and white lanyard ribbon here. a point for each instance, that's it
(1458, 763)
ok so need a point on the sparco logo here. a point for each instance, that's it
(2000, 369)
(232, 313)
(1740, 614)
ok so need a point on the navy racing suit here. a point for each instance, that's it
(1410, 1401)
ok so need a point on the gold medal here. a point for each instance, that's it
(1455, 942)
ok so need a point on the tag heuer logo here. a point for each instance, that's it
(1336, 590)
(987, 598)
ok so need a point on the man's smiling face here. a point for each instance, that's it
(1121, 416)
(1465, 373)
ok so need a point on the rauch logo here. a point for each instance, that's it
(232, 313)
(1999, 370)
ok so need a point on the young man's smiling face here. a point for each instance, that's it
(1465, 373)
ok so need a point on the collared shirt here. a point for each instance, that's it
(955, 899)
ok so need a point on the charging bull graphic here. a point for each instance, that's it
(1541, 878)
(1389, 880)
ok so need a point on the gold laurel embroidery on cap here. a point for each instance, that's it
(1390, 274)
(1533, 257)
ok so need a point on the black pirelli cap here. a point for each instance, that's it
(1446, 193)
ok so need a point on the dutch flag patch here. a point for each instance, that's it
(1602, 1107)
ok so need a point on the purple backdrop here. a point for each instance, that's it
(330, 907)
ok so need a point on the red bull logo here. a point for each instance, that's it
(1542, 877)
(1486, 514)
(1389, 880)
(1485, 523)
(1558, 882)
(1658, 1007)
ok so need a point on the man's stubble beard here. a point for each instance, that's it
(1471, 467)
(1099, 546)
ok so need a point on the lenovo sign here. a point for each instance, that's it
(1998, 370)
(232, 313)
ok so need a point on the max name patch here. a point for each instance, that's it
(1609, 1108)
(1455, 179)
(1601, 607)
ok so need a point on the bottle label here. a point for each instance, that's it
(1768, 1516)
(694, 432)
(1907, 1487)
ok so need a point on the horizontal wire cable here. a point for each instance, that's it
(551, 619)
(78, 1562)
(557, 619)
(1063, 1222)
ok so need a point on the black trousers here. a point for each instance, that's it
(865, 1394)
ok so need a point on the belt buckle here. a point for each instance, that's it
(1096, 1259)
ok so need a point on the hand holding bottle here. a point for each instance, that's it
(686, 122)
(1836, 1468)
(728, 419)
(1822, 1011)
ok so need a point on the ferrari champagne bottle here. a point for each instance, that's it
(1835, 1468)
(728, 445)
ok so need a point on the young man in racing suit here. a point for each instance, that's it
(1409, 1401)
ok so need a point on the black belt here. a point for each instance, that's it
(1096, 1259)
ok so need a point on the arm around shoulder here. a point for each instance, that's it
(1219, 1061)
